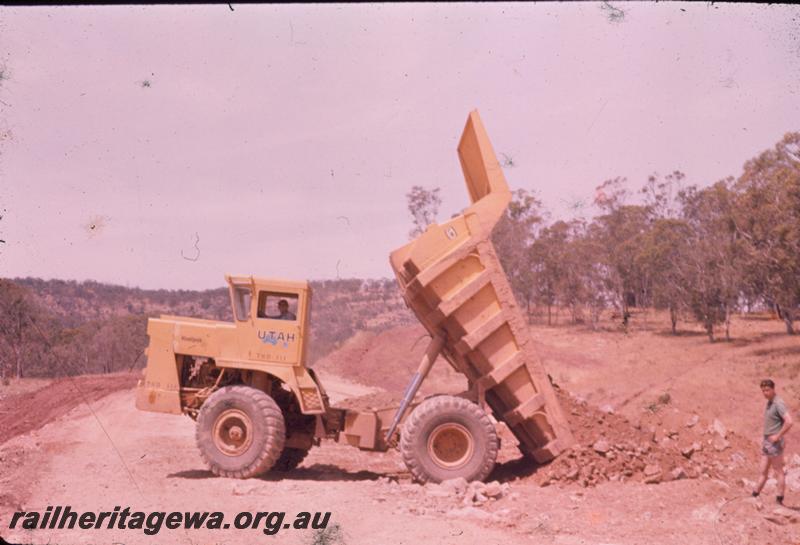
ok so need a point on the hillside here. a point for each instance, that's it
(69, 327)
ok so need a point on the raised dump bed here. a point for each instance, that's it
(451, 278)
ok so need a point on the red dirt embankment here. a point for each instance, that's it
(23, 413)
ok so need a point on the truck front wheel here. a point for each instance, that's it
(447, 437)
(240, 432)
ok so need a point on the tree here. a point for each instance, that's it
(18, 335)
(662, 197)
(513, 236)
(663, 245)
(768, 219)
(618, 231)
(548, 264)
(424, 206)
(660, 254)
(712, 263)
(587, 271)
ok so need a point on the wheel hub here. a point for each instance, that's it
(232, 432)
(450, 445)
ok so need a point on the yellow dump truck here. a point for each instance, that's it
(259, 408)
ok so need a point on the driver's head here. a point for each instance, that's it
(283, 305)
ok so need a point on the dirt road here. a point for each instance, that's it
(149, 462)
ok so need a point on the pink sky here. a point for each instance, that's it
(287, 136)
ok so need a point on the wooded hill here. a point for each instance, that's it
(58, 327)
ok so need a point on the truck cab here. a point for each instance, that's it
(271, 318)
(265, 346)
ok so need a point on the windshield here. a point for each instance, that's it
(241, 302)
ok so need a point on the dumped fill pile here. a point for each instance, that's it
(663, 444)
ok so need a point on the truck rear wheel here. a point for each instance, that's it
(240, 432)
(447, 437)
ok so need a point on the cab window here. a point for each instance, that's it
(241, 302)
(277, 306)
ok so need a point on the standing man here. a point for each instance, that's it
(777, 422)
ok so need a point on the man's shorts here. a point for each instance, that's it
(768, 448)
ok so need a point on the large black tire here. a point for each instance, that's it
(296, 422)
(290, 458)
(447, 437)
(240, 432)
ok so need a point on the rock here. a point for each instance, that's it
(475, 486)
(692, 421)
(719, 443)
(573, 474)
(608, 409)
(793, 478)
(719, 428)
(653, 479)
(678, 473)
(474, 492)
(652, 469)
(783, 516)
(688, 451)
(455, 487)
(601, 446)
(652, 473)
(493, 490)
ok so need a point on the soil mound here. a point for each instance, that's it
(23, 413)
(663, 444)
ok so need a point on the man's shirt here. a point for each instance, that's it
(774, 416)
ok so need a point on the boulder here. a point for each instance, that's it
(678, 473)
(455, 487)
(719, 443)
(493, 490)
(601, 446)
(652, 473)
(719, 428)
